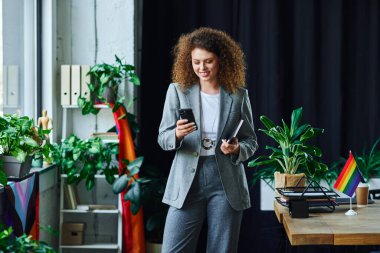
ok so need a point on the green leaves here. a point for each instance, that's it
(83, 159)
(3, 176)
(19, 138)
(19, 154)
(296, 116)
(23, 243)
(131, 184)
(292, 155)
(31, 142)
(369, 162)
(111, 76)
(267, 122)
(134, 166)
(134, 79)
(133, 195)
(120, 184)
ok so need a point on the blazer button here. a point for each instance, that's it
(195, 154)
(192, 170)
(170, 146)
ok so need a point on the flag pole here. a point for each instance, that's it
(351, 212)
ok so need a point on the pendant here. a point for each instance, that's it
(207, 143)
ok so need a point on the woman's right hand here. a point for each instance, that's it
(183, 128)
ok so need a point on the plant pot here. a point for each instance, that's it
(153, 247)
(283, 180)
(14, 168)
(37, 162)
(109, 95)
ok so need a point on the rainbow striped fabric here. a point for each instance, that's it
(349, 178)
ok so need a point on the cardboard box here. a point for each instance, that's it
(72, 233)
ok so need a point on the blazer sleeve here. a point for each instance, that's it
(247, 136)
(166, 137)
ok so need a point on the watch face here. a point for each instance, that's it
(207, 143)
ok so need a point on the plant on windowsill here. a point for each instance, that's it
(104, 87)
(20, 140)
(83, 159)
(292, 158)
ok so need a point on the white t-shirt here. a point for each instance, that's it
(210, 104)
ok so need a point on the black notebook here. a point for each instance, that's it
(235, 132)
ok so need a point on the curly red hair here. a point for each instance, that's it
(231, 60)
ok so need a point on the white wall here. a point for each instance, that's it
(90, 32)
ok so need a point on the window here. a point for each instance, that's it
(18, 56)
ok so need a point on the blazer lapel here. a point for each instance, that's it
(225, 107)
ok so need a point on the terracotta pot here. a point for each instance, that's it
(13, 168)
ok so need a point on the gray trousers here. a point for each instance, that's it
(206, 198)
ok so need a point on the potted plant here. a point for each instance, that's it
(20, 140)
(104, 87)
(83, 159)
(292, 158)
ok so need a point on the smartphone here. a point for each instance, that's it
(187, 113)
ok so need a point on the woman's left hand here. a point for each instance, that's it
(230, 148)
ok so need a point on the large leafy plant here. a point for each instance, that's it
(20, 138)
(146, 190)
(83, 159)
(292, 154)
(105, 81)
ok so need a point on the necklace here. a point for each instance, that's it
(208, 142)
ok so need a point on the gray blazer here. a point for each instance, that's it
(233, 107)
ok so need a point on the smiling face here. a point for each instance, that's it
(205, 65)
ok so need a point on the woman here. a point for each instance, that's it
(207, 178)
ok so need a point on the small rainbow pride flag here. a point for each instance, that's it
(349, 178)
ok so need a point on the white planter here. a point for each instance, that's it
(267, 196)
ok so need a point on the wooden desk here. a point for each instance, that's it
(333, 228)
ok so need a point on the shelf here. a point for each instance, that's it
(77, 107)
(110, 141)
(96, 176)
(91, 246)
(99, 196)
(70, 106)
(115, 211)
